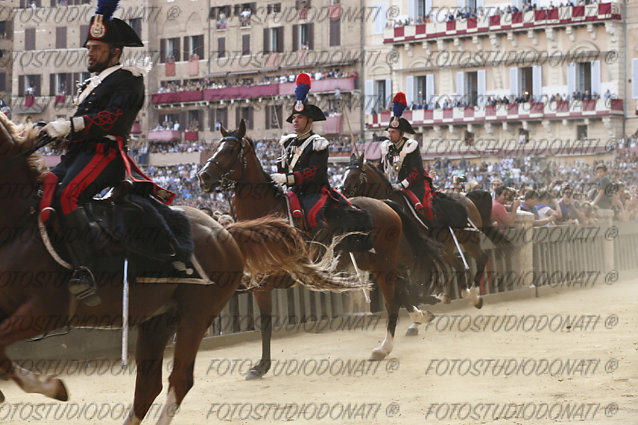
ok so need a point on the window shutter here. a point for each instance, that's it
(311, 35)
(537, 82)
(186, 50)
(409, 89)
(280, 39)
(595, 78)
(52, 85)
(480, 89)
(429, 88)
(266, 43)
(335, 32)
(295, 38)
(514, 81)
(162, 50)
(21, 85)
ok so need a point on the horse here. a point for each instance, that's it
(363, 179)
(34, 298)
(235, 165)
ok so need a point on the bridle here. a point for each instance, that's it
(225, 181)
(363, 177)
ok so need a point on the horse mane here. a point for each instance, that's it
(252, 146)
(378, 172)
(25, 136)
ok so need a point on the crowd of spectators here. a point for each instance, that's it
(557, 193)
(467, 13)
(210, 83)
(181, 147)
(438, 102)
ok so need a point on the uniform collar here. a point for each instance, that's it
(305, 135)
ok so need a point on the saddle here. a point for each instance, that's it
(155, 238)
(339, 219)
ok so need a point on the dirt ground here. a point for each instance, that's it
(566, 357)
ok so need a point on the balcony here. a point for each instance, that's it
(164, 136)
(504, 113)
(512, 21)
(252, 92)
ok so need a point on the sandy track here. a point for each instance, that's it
(575, 368)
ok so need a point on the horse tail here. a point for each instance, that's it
(271, 246)
(483, 201)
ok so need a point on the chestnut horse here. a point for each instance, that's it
(235, 164)
(362, 179)
(34, 298)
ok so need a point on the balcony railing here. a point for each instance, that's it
(506, 21)
(164, 136)
(501, 113)
(252, 92)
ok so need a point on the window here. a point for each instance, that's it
(422, 9)
(60, 37)
(194, 120)
(245, 113)
(274, 40)
(583, 77)
(136, 24)
(29, 85)
(5, 29)
(245, 44)
(380, 95)
(526, 85)
(420, 92)
(221, 47)
(60, 84)
(470, 94)
(193, 45)
(274, 116)
(335, 32)
(221, 15)
(581, 132)
(29, 39)
(217, 116)
(273, 8)
(302, 37)
(3, 81)
(169, 49)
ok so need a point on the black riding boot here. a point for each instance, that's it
(79, 240)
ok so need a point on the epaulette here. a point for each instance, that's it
(385, 147)
(285, 138)
(319, 143)
(410, 146)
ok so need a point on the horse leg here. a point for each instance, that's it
(152, 337)
(195, 316)
(388, 288)
(473, 247)
(404, 299)
(25, 323)
(264, 301)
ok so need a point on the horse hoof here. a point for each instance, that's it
(61, 393)
(1, 397)
(412, 332)
(377, 355)
(478, 303)
(253, 374)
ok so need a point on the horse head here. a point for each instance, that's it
(227, 163)
(355, 178)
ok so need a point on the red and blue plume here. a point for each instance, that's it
(398, 104)
(106, 8)
(303, 86)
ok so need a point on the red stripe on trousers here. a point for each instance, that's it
(71, 192)
(312, 214)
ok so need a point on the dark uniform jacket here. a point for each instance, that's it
(407, 165)
(96, 157)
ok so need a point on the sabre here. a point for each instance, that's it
(458, 247)
(125, 288)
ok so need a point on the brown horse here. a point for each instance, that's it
(362, 179)
(34, 298)
(235, 164)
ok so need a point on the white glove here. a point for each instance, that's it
(397, 186)
(57, 129)
(279, 178)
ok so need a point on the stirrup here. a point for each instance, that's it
(82, 286)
